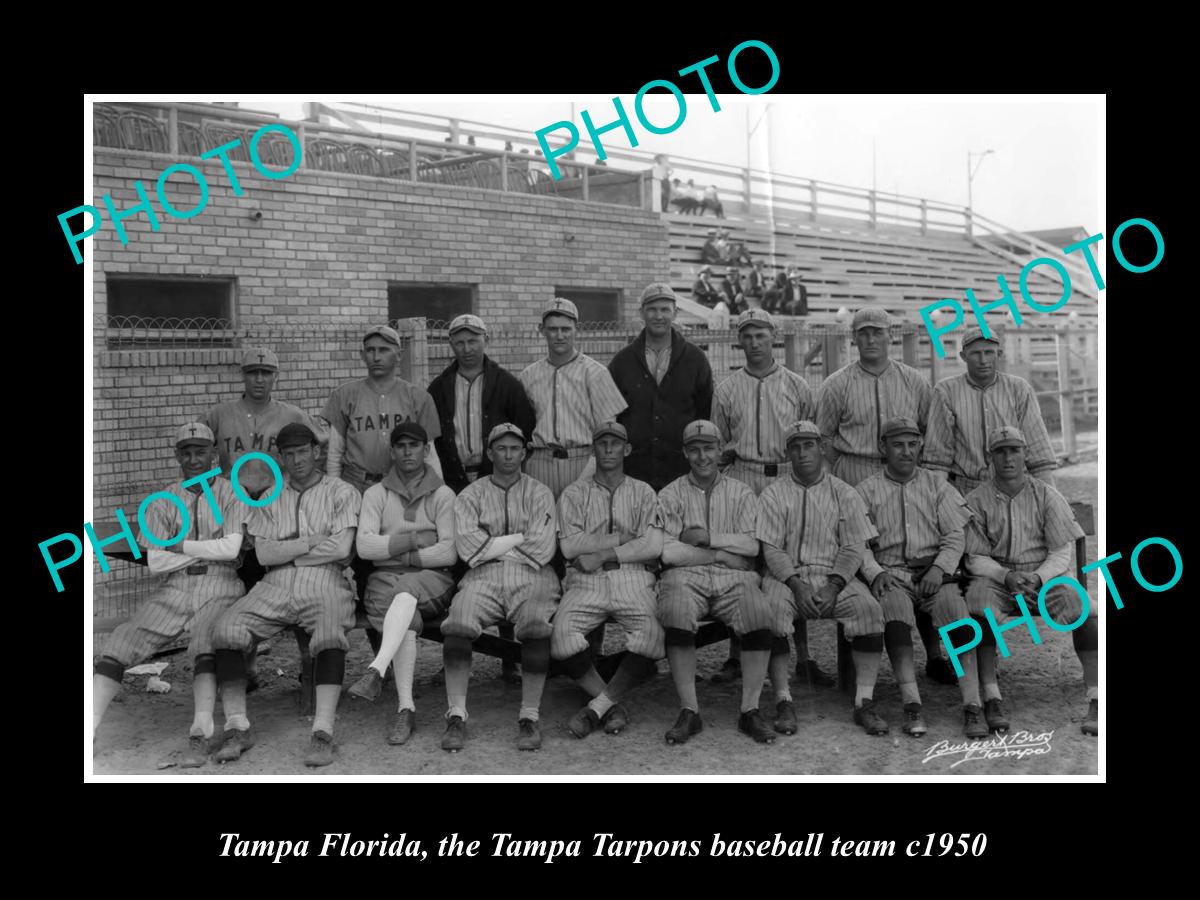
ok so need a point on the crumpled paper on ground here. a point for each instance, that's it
(157, 686)
(154, 668)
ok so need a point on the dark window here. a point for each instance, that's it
(438, 303)
(169, 311)
(594, 305)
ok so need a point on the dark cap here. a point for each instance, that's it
(295, 434)
(899, 425)
(409, 429)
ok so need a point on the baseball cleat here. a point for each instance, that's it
(369, 687)
(616, 719)
(688, 724)
(456, 734)
(1091, 722)
(583, 722)
(940, 670)
(973, 724)
(993, 711)
(870, 720)
(529, 735)
(914, 721)
(320, 749)
(234, 743)
(731, 671)
(785, 717)
(809, 672)
(752, 723)
(197, 752)
(402, 727)
(510, 672)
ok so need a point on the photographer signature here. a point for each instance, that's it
(1019, 744)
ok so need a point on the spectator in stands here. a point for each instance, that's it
(798, 304)
(703, 290)
(775, 297)
(710, 252)
(732, 253)
(684, 197)
(471, 141)
(712, 201)
(735, 294)
(662, 171)
(756, 282)
(508, 148)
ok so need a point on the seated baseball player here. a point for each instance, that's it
(708, 556)
(504, 527)
(611, 535)
(201, 583)
(920, 519)
(813, 527)
(1022, 535)
(305, 539)
(406, 528)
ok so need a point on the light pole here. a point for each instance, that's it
(971, 177)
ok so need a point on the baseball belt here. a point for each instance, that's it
(564, 452)
(768, 469)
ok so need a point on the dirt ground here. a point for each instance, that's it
(146, 734)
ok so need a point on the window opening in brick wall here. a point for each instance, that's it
(594, 305)
(438, 303)
(169, 311)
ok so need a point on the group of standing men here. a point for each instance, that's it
(575, 494)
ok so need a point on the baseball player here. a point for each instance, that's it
(920, 519)
(853, 404)
(966, 408)
(201, 583)
(1021, 535)
(813, 527)
(406, 527)
(752, 408)
(610, 530)
(305, 538)
(572, 394)
(504, 527)
(709, 550)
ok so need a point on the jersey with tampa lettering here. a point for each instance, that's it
(365, 419)
(239, 430)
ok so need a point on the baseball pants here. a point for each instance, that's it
(853, 469)
(554, 473)
(687, 594)
(751, 474)
(317, 598)
(858, 612)
(589, 600)
(200, 599)
(946, 606)
(1064, 605)
(433, 588)
(504, 590)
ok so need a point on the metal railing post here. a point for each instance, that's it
(748, 188)
(504, 171)
(871, 213)
(924, 217)
(908, 341)
(585, 183)
(173, 131)
(303, 137)
(812, 201)
(1066, 395)
(412, 160)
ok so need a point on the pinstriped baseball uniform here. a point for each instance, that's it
(1019, 532)
(687, 594)
(468, 420)
(753, 413)
(201, 596)
(570, 400)
(815, 532)
(239, 430)
(425, 572)
(519, 586)
(918, 518)
(318, 598)
(625, 593)
(852, 406)
(963, 413)
(365, 419)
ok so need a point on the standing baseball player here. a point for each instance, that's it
(1021, 536)
(813, 527)
(667, 382)
(406, 527)
(572, 394)
(200, 584)
(920, 519)
(610, 530)
(966, 408)
(305, 538)
(709, 551)
(752, 407)
(504, 528)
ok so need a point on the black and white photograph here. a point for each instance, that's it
(711, 433)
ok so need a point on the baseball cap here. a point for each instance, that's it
(501, 430)
(705, 270)
(701, 430)
(657, 291)
(409, 429)
(871, 317)
(193, 433)
(259, 358)
(469, 322)
(801, 429)
(294, 434)
(899, 425)
(1005, 436)
(560, 306)
(610, 427)
(971, 335)
(383, 331)
(758, 317)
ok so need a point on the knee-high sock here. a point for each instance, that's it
(778, 667)
(103, 691)
(535, 663)
(754, 672)
(985, 655)
(969, 682)
(204, 698)
(735, 647)
(404, 663)
(1086, 638)
(929, 637)
(633, 668)
(326, 706)
(800, 636)
(897, 637)
(456, 658)
(395, 626)
(233, 702)
(591, 682)
(866, 668)
(683, 673)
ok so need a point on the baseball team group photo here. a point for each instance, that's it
(651, 468)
